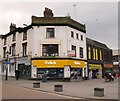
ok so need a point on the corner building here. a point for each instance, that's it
(55, 46)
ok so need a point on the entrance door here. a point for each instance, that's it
(94, 74)
(25, 70)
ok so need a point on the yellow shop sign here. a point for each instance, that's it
(58, 63)
(94, 66)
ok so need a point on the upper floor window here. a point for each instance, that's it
(89, 53)
(5, 41)
(81, 52)
(50, 50)
(100, 55)
(74, 48)
(50, 33)
(4, 51)
(81, 37)
(24, 35)
(13, 49)
(77, 36)
(14, 37)
(24, 46)
(72, 34)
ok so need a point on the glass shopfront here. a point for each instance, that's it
(57, 68)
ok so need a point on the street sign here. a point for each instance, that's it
(7, 62)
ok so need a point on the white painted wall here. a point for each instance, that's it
(62, 37)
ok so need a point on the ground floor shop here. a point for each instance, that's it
(108, 68)
(95, 71)
(58, 68)
(17, 63)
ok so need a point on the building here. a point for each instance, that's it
(116, 60)
(0, 53)
(55, 46)
(99, 58)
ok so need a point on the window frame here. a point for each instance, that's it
(49, 32)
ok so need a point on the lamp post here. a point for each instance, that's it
(7, 63)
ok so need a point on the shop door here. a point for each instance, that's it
(25, 71)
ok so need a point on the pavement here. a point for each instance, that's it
(77, 89)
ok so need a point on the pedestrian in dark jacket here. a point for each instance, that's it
(17, 73)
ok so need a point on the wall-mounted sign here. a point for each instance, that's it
(71, 53)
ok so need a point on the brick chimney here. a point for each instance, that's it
(12, 27)
(48, 12)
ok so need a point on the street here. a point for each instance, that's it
(15, 92)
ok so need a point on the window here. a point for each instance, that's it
(81, 52)
(14, 36)
(24, 45)
(24, 35)
(89, 53)
(50, 50)
(13, 49)
(50, 33)
(10, 49)
(77, 36)
(74, 48)
(100, 55)
(4, 51)
(94, 54)
(81, 37)
(5, 41)
(72, 34)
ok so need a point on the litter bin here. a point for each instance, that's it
(99, 92)
(58, 88)
(44, 78)
(36, 84)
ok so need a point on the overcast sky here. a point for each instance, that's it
(100, 18)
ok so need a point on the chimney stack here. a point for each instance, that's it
(48, 12)
(12, 27)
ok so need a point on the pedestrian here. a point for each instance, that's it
(17, 73)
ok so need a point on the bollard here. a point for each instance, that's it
(36, 84)
(99, 92)
(58, 88)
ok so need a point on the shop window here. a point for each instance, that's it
(24, 45)
(73, 48)
(50, 50)
(50, 33)
(81, 52)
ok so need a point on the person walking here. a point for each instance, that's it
(17, 73)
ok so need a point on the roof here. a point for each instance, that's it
(96, 43)
(58, 21)
(19, 29)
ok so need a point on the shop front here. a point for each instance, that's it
(23, 64)
(95, 71)
(57, 68)
(108, 68)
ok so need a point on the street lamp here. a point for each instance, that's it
(7, 63)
